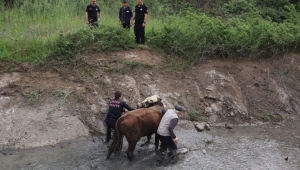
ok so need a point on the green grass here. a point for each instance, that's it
(33, 96)
(272, 117)
(30, 32)
(38, 31)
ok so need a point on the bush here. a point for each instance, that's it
(34, 30)
(105, 39)
(199, 35)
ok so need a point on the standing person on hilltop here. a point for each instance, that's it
(140, 16)
(125, 15)
(116, 108)
(165, 131)
(92, 14)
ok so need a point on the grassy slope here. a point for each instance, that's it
(28, 33)
(36, 30)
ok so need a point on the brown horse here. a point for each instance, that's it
(134, 125)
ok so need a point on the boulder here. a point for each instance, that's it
(229, 126)
(207, 126)
(186, 124)
(200, 126)
(182, 150)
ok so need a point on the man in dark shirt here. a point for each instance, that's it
(140, 16)
(125, 15)
(116, 108)
(92, 14)
(165, 131)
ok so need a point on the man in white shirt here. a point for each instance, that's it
(165, 131)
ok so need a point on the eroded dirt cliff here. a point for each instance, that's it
(44, 105)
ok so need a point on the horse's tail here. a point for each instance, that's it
(117, 139)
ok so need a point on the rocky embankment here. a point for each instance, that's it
(47, 105)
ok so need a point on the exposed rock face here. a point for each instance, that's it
(27, 127)
(76, 98)
(221, 100)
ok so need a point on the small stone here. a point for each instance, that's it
(94, 108)
(182, 151)
(146, 77)
(24, 66)
(207, 126)
(200, 126)
(232, 114)
(95, 93)
(229, 126)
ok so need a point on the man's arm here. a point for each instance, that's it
(126, 106)
(132, 18)
(99, 13)
(146, 17)
(164, 110)
(87, 17)
(120, 15)
(171, 127)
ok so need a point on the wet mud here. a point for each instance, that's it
(244, 147)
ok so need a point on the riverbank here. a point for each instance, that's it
(43, 105)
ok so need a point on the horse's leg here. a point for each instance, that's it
(149, 138)
(119, 145)
(131, 147)
(156, 142)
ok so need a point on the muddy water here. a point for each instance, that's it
(247, 147)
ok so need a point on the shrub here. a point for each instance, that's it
(106, 39)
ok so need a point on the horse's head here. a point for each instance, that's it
(149, 102)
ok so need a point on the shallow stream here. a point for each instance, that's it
(245, 147)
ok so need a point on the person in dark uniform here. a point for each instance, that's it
(140, 16)
(116, 108)
(92, 14)
(125, 15)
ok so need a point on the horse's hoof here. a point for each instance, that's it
(130, 155)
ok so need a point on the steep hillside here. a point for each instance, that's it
(44, 105)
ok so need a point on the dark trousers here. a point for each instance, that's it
(167, 142)
(126, 25)
(93, 22)
(139, 32)
(110, 123)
